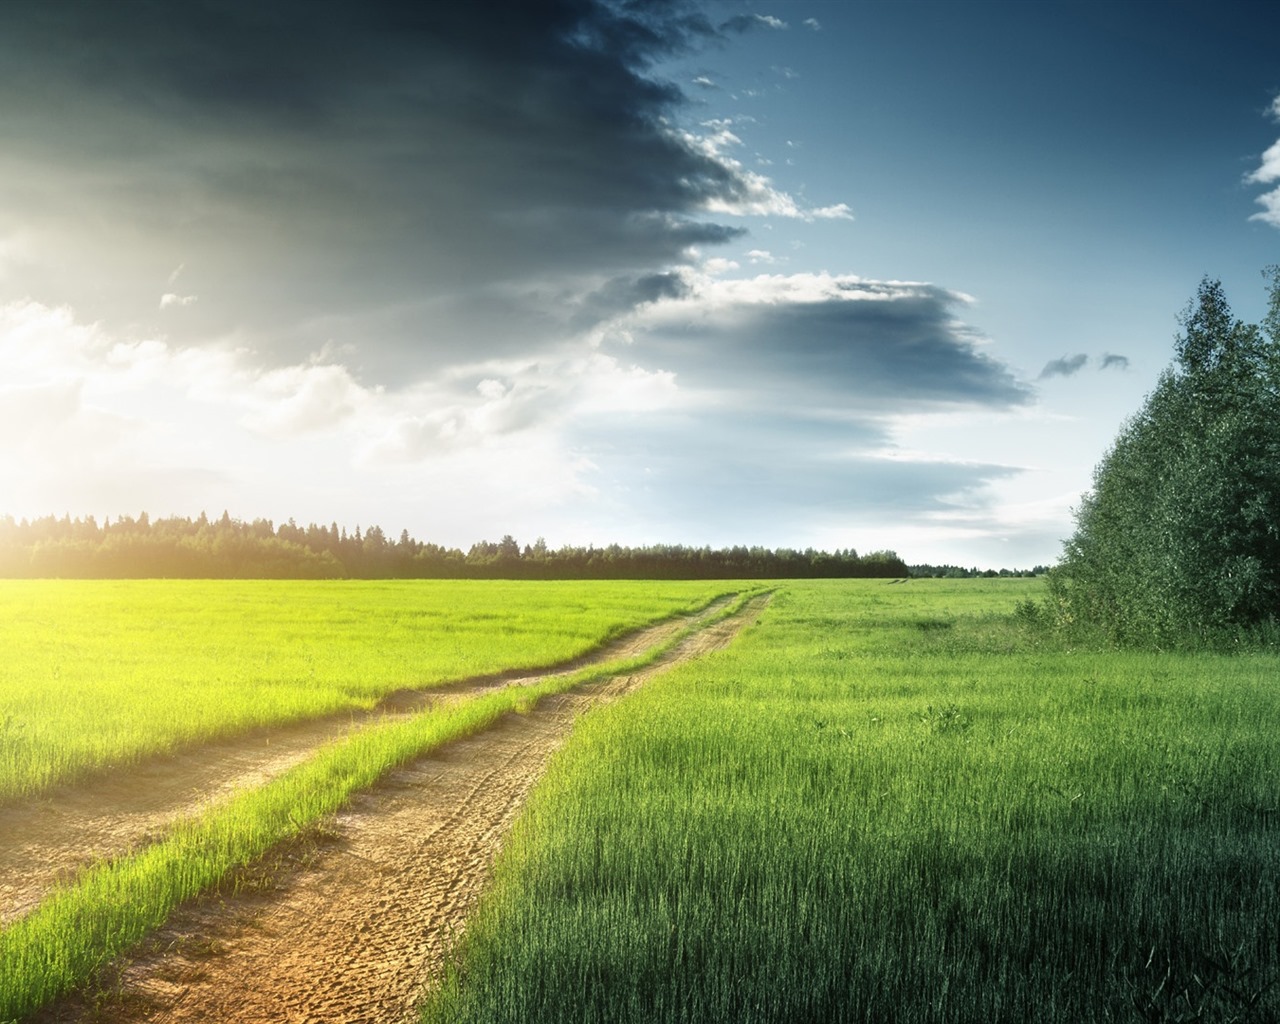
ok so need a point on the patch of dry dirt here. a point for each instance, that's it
(352, 925)
(48, 839)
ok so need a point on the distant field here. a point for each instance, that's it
(101, 672)
(897, 802)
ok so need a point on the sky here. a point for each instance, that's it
(795, 273)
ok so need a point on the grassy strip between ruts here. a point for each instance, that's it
(112, 906)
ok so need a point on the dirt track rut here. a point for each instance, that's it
(353, 927)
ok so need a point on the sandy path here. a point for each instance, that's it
(50, 838)
(354, 928)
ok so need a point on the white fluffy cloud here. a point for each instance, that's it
(751, 193)
(1268, 174)
(95, 423)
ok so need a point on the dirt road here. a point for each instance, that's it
(352, 924)
(50, 838)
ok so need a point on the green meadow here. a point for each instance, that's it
(904, 801)
(104, 672)
(898, 803)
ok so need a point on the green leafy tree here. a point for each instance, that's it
(1179, 540)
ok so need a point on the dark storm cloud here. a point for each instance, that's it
(307, 59)
(622, 294)
(1114, 362)
(1067, 366)
(860, 345)
(313, 162)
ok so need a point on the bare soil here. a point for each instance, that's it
(351, 924)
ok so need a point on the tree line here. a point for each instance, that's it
(1179, 540)
(227, 548)
(959, 572)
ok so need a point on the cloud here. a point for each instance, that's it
(623, 294)
(452, 262)
(824, 341)
(104, 424)
(812, 23)
(298, 400)
(763, 402)
(1067, 366)
(1270, 201)
(786, 392)
(728, 474)
(751, 193)
(838, 211)
(718, 265)
(418, 183)
(1266, 174)
(746, 22)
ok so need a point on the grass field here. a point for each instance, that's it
(899, 803)
(114, 904)
(887, 801)
(97, 673)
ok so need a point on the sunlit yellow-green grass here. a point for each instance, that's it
(102, 672)
(899, 803)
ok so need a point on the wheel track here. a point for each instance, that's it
(355, 929)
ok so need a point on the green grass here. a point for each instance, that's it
(894, 803)
(99, 673)
(113, 905)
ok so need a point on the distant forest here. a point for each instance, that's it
(227, 548)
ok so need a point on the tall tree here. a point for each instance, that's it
(1180, 537)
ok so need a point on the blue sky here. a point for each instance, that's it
(836, 274)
